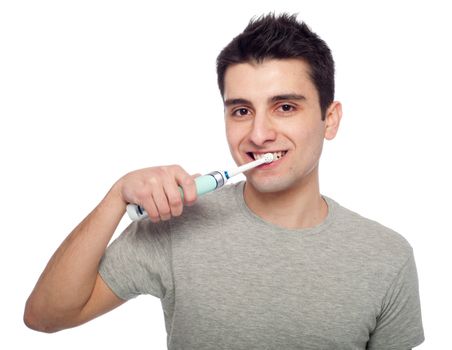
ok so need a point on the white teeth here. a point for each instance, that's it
(276, 155)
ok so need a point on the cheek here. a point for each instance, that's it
(233, 137)
(230, 135)
(308, 140)
(235, 132)
(313, 146)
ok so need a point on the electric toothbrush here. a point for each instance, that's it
(206, 183)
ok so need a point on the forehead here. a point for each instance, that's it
(254, 81)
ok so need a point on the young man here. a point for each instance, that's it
(267, 263)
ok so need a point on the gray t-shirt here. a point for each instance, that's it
(229, 280)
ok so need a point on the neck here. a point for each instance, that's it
(300, 206)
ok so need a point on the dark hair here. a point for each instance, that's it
(279, 37)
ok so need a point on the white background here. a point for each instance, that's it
(90, 90)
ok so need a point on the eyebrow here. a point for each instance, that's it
(236, 101)
(286, 97)
(277, 98)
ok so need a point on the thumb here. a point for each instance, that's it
(195, 175)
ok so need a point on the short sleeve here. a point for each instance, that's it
(399, 325)
(139, 261)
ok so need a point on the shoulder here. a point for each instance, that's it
(370, 237)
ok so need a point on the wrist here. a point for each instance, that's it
(115, 199)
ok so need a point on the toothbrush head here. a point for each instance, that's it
(268, 157)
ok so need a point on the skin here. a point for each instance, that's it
(274, 106)
(70, 291)
(260, 116)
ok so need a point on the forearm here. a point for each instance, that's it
(67, 293)
(68, 280)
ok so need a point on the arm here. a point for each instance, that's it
(70, 291)
(68, 281)
(399, 325)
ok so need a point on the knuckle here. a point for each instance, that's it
(144, 194)
(153, 216)
(175, 202)
(189, 200)
(188, 181)
(153, 173)
(174, 168)
(142, 197)
(176, 210)
(152, 181)
(165, 213)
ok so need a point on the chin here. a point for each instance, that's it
(269, 185)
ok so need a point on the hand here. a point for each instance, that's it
(156, 189)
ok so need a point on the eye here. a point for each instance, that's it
(240, 112)
(286, 108)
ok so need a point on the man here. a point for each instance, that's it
(267, 263)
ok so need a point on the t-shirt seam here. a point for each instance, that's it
(173, 319)
(411, 343)
(396, 277)
(170, 254)
(112, 283)
(248, 215)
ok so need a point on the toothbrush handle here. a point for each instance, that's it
(204, 184)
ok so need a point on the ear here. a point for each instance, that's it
(332, 120)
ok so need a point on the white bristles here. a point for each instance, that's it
(267, 158)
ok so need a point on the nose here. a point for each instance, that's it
(262, 130)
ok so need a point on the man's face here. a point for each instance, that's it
(274, 107)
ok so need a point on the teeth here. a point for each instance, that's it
(276, 155)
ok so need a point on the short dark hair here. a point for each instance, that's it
(282, 37)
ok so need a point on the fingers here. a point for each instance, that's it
(150, 195)
(188, 185)
(161, 202)
(151, 209)
(159, 191)
(173, 197)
